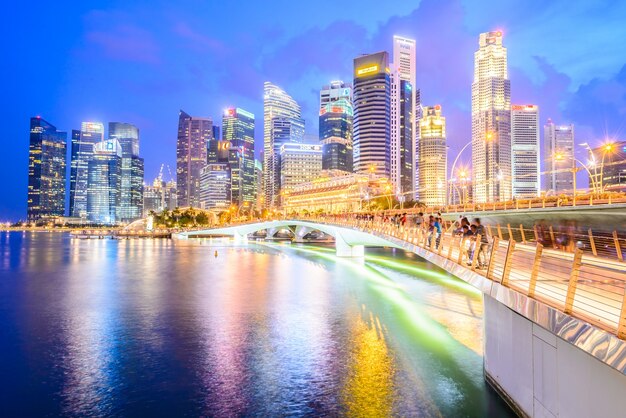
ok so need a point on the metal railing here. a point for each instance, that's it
(583, 284)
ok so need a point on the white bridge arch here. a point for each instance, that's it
(348, 242)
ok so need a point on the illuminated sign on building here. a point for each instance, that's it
(524, 107)
(367, 70)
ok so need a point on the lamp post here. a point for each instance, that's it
(560, 157)
(457, 159)
(606, 148)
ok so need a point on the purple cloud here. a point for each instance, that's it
(126, 43)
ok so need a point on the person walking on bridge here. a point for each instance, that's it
(483, 245)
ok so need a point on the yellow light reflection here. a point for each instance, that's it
(368, 390)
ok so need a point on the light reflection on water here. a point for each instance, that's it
(155, 327)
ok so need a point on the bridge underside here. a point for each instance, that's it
(348, 242)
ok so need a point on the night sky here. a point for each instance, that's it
(141, 61)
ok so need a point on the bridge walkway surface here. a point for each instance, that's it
(582, 285)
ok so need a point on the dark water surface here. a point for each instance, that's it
(165, 328)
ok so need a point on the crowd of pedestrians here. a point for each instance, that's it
(474, 237)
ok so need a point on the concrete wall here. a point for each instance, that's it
(544, 375)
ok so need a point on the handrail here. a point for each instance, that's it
(580, 284)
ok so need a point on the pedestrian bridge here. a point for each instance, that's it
(349, 242)
(554, 320)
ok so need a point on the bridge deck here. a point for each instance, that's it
(586, 287)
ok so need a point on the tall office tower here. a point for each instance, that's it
(238, 131)
(104, 182)
(559, 144)
(158, 196)
(83, 142)
(433, 157)
(525, 150)
(335, 134)
(194, 134)
(403, 116)
(216, 132)
(372, 101)
(215, 187)
(299, 163)
(336, 90)
(131, 200)
(46, 170)
(491, 121)
(258, 170)
(282, 122)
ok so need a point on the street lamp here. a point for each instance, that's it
(559, 156)
(463, 176)
(606, 148)
(457, 159)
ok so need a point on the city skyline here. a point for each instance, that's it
(532, 70)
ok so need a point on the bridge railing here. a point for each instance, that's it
(607, 198)
(585, 286)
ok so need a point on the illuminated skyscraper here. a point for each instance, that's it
(299, 163)
(282, 122)
(491, 121)
(83, 142)
(372, 99)
(131, 199)
(335, 91)
(559, 144)
(215, 187)
(46, 170)
(525, 161)
(433, 157)
(238, 130)
(105, 182)
(258, 170)
(335, 126)
(404, 113)
(194, 134)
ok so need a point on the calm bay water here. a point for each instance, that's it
(166, 328)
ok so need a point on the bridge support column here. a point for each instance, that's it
(540, 374)
(240, 238)
(344, 249)
(300, 232)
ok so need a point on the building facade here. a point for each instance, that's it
(559, 158)
(335, 91)
(47, 162)
(335, 134)
(404, 105)
(105, 183)
(131, 204)
(282, 122)
(215, 187)
(525, 159)
(335, 193)
(491, 121)
(406, 163)
(83, 142)
(159, 196)
(238, 130)
(194, 134)
(299, 163)
(372, 102)
(433, 157)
